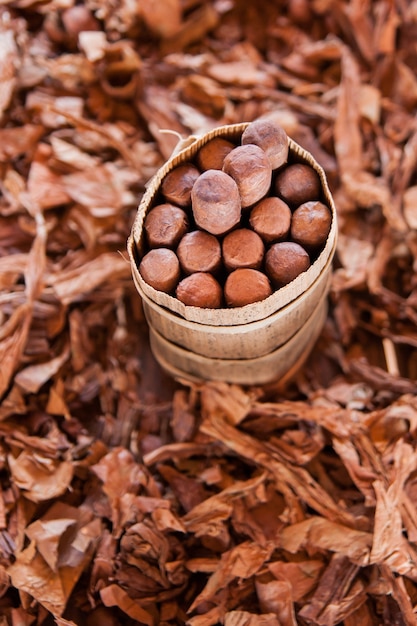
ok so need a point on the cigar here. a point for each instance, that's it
(160, 268)
(164, 225)
(310, 224)
(178, 183)
(284, 261)
(250, 167)
(245, 286)
(297, 183)
(269, 136)
(199, 251)
(212, 154)
(271, 219)
(215, 202)
(200, 289)
(242, 248)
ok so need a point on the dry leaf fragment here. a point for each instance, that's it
(347, 135)
(163, 17)
(8, 66)
(410, 207)
(33, 377)
(120, 70)
(361, 616)
(31, 573)
(338, 594)
(188, 490)
(68, 153)
(386, 28)
(19, 140)
(204, 94)
(229, 400)
(244, 618)
(302, 575)
(74, 285)
(363, 465)
(121, 476)
(390, 547)
(200, 22)
(367, 190)
(45, 187)
(208, 618)
(275, 597)
(316, 532)
(96, 189)
(93, 44)
(289, 480)
(240, 73)
(361, 27)
(12, 345)
(71, 70)
(401, 595)
(53, 110)
(355, 255)
(165, 520)
(113, 595)
(40, 478)
(47, 535)
(370, 103)
(242, 561)
(178, 451)
(219, 506)
(260, 521)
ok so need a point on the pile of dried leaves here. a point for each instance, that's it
(128, 498)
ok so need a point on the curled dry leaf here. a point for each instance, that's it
(40, 478)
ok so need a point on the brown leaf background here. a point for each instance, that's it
(130, 498)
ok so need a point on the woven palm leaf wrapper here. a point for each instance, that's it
(256, 344)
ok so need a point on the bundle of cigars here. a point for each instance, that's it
(236, 222)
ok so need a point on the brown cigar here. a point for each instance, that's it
(200, 289)
(284, 261)
(164, 225)
(242, 248)
(270, 137)
(297, 183)
(178, 183)
(199, 251)
(245, 286)
(160, 268)
(310, 224)
(271, 219)
(250, 167)
(211, 155)
(215, 202)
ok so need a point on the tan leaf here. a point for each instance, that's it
(8, 67)
(321, 533)
(33, 377)
(40, 478)
(74, 285)
(162, 17)
(275, 597)
(390, 547)
(113, 595)
(244, 618)
(302, 575)
(46, 535)
(242, 561)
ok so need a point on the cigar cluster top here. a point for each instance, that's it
(239, 221)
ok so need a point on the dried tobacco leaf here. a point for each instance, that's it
(127, 497)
